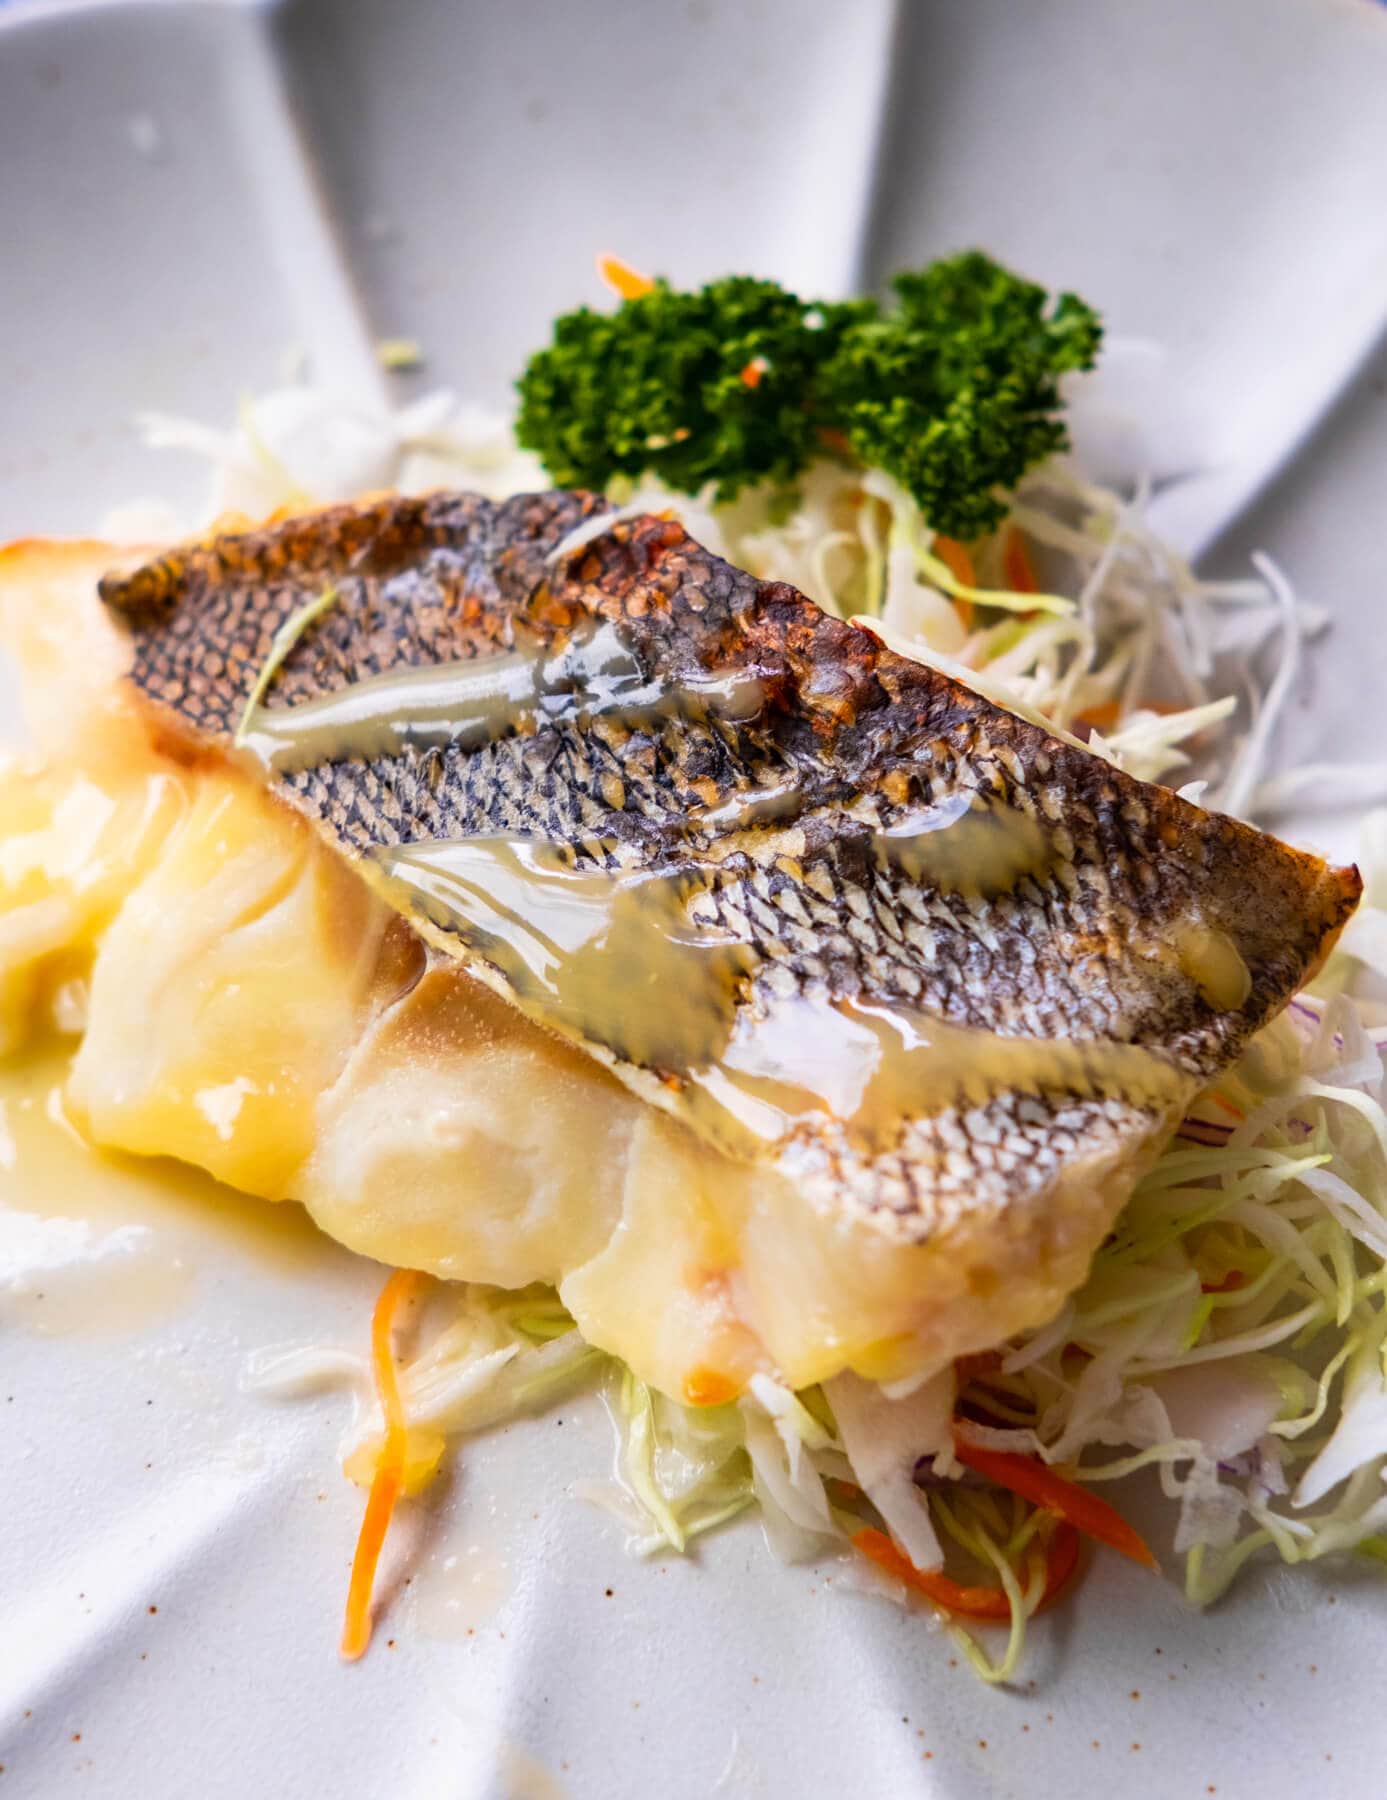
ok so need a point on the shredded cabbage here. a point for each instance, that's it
(1231, 1337)
(1231, 1331)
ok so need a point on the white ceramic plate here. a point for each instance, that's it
(189, 191)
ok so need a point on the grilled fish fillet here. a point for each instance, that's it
(615, 919)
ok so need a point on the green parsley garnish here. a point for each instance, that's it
(952, 387)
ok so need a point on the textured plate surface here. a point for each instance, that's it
(189, 191)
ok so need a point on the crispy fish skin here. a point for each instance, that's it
(1077, 951)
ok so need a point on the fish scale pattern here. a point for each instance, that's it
(1077, 949)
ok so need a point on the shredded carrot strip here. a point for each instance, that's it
(1228, 1106)
(622, 279)
(1034, 1481)
(1101, 716)
(956, 559)
(959, 563)
(390, 1468)
(951, 1596)
(1016, 564)
(1104, 713)
(753, 372)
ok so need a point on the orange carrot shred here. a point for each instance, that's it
(753, 372)
(709, 1387)
(390, 1468)
(1037, 1482)
(622, 279)
(956, 560)
(971, 1602)
(959, 563)
(1102, 716)
(1016, 564)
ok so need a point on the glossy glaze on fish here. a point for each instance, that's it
(835, 911)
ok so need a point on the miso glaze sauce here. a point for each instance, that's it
(618, 959)
(966, 847)
(592, 673)
(614, 958)
(93, 1243)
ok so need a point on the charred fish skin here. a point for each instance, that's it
(1083, 908)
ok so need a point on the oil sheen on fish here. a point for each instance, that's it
(915, 987)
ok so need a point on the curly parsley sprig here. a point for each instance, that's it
(952, 387)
